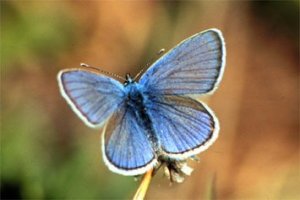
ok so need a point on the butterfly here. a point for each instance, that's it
(157, 117)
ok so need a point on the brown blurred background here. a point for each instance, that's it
(47, 152)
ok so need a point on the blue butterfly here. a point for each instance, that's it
(155, 118)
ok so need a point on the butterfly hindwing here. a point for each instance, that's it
(184, 126)
(94, 97)
(193, 67)
(125, 146)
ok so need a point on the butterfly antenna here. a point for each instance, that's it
(148, 64)
(102, 71)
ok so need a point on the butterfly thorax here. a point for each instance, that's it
(135, 97)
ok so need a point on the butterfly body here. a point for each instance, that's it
(138, 102)
(155, 118)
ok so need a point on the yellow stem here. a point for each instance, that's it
(141, 192)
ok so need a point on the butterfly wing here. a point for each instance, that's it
(195, 66)
(125, 146)
(184, 126)
(93, 97)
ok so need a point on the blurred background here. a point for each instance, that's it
(47, 152)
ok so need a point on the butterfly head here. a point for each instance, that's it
(129, 79)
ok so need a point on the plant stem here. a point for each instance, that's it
(141, 192)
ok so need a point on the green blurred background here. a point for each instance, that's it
(47, 152)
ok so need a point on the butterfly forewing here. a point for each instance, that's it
(195, 66)
(183, 126)
(126, 148)
(94, 97)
